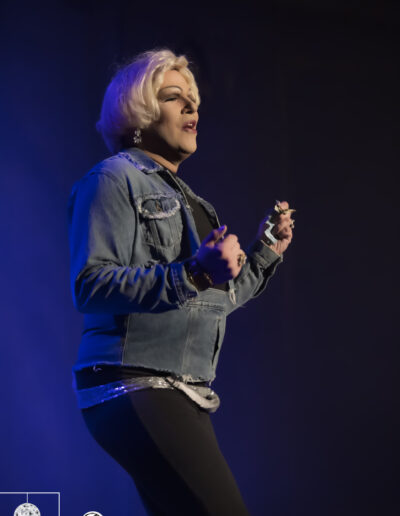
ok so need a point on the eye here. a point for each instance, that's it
(170, 98)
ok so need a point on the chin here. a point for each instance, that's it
(187, 150)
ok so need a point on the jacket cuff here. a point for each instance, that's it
(263, 254)
(184, 289)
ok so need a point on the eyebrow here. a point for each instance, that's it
(172, 86)
(190, 93)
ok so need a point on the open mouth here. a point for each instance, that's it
(190, 126)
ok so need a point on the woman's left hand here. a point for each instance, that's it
(282, 231)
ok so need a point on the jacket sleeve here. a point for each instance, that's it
(253, 278)
(102, 228)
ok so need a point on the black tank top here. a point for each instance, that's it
(200, 216)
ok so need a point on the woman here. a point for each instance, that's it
(156, 274)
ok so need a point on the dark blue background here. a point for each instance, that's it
(300, 101)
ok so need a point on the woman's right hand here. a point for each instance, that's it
(218, 255)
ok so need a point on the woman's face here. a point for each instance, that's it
(173, 136)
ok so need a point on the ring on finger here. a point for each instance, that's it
(241, 259)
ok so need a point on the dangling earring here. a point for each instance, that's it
(137, 137)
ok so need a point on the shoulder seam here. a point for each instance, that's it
(110, 176)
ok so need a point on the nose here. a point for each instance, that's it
(189, 106)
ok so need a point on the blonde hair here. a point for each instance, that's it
(130, 100)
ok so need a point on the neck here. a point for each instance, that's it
(171, 165)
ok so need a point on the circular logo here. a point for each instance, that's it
(27, 509)
(92, 513)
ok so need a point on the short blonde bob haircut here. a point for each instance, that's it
(130, 100)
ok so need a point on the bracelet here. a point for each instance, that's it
(198, 276)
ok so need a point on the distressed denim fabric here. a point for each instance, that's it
(130, 234)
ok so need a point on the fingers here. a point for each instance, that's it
(229, 241)
(215, 236)
(229, 245)
(284, 205)
(283, 227)
(283, 230)
(232, 254)
(284, 223)
(222, 233)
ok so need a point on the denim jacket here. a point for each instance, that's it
(130, 234)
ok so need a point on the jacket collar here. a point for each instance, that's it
(142, 161)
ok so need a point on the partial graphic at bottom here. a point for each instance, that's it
(27, 509)
(27, 503)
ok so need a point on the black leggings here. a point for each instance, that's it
(168, 446)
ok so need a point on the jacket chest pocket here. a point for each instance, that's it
(161, 220)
